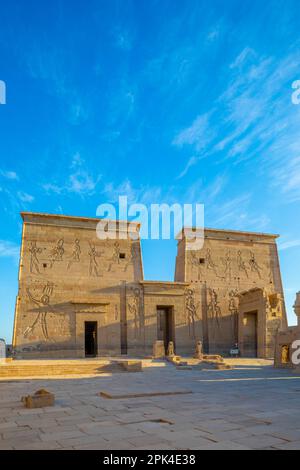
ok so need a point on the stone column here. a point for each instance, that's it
(297, 307)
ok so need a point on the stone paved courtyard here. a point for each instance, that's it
(253, 406)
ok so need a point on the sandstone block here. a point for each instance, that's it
(40, 399)
(132, 366)
(159, 349)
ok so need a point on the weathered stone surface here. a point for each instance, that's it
(285, 343)
(80, 295)
(223, 366)
(260, 406)
(106, 394)
(132, 366)
(199, 351)
(158, 349)
(40, 399)
(174, 359)
(170, 351)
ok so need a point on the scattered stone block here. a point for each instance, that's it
(132, 366)
(40, 399)
(213, 357)
(223, 366)
(118, 395)
(159, 349)
(174, 360)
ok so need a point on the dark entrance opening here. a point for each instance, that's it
(90, 344)
(250, 334)
(165, 325)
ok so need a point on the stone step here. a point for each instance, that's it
(33, 370)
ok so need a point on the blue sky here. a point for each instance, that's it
(165, 101)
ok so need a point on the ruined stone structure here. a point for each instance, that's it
(288, 343)
(81, 296)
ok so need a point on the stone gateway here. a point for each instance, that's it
(80, 296)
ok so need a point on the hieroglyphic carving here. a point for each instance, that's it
(115, 256)
(214, 311)
(241, 263)
(191, 310)
(134, 253)
(75, 256)
(227, 263)
(90, 308)
(195, 262)
(273, 304)
(93, 254)
(57, 253)
(210, 264)
(234, 312)
(34, 261)
(44, 307)
(254, 267)
(136, 309)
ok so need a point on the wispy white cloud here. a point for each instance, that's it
(9, 250)
(48, 64)
(53, 188)
(282, 246)
(242, 57)
(24, 197)
(10, 175)
(199, 134)
(79, 180)
(252, 119)
(191, 162)
(135, 194)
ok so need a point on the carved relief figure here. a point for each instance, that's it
(214, 310)
(134, 252)
(191, 312)
(273, 303)
(135, 308)
(57, 252)
(93, 254)
(253, 264)
(227, 263)
(116, 255)
(44, 308)
(75, 256)
(210, 263)
(234, 311)
(195, 262)
(34, 261)
(241, 264)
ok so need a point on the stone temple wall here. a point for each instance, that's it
(230, 263)
(68, 276)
